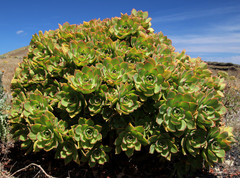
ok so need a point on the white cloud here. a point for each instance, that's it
(230, 28)
(224, 43)
(213, 39)
(212, 45)
(19, 32)
(209, 49)
(207, 39)
(192, 14)
(231, 25)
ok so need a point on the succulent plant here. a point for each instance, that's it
(210, 109)
(194, 142)
(218, 142)
(69, 100)
(46, 132)
(124, 27)
(96, 103)
(177, 114)
(81, 53)
(163, 144)
(86, 133)
(68, 151)
(116, 71)
(86, 80)
(149, 78)
(98, 155)
(130, 139)
(127, 100)
(86, 90)
(37, 102)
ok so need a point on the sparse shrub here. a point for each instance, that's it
(3, 116)
(109, 86)
(223, 74)
(2, 57)
(231, 92)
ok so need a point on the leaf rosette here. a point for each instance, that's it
(27, 76)
(98, 155)
(144, 43)
(95, 103)
(111, 49)
(86, 133)
(219, 140)
(210, 110)
(163, 144)
(82, 53)
(18, 107)
(134, 55)
(188, 82)
(142, 18)
(70, 100)
(127, 100)
(149, 79)
(193, 142)
(86, 80)
(123, 27)
(130, 139)
(115, 71)
(68, 151)
(46, 132)
(54, 65)
(36, 104)
(178, 113)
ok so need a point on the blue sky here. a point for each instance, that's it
(209, 29)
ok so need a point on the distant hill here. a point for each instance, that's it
(21, 52)
(223, 66)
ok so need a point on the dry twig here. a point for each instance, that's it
(33, 164)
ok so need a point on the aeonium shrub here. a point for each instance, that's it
(108, 86)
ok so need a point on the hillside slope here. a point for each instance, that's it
(21, 52)
(8, 63)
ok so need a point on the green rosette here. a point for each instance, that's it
(47, 132)
(86, 80)
(130, 139)
(163, 144)
(177, 113)
(149, 79)
(86, 133)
